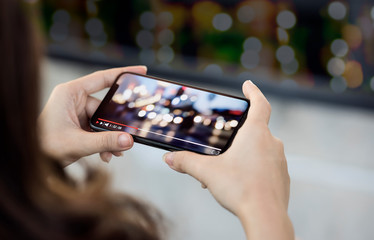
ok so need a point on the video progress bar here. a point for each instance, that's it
(160, 134)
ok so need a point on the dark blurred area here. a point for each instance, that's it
(320, 50)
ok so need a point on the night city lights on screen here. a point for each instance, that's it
(169, 113)
(319, 45)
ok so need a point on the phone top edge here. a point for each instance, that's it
(183, 84)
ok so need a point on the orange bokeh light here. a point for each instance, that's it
(353, 74)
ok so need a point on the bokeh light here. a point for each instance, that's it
(285, 54)
(339, 47)
(246, 14)
(91, 7)
(59, 32)
(286, 19)
(372, 83)
(144, 39)
(165, 19)
(338, 84)
(61, 16)
(152, 115)
(178, 120)
(165, 37)
(372, 13)
(250, 59)
(353, 74)
(142, 113)
(252, 43)
(222, 21)
(282, 35)
(94, 27)
(352, 35)
(290, 68)
(213, 69)
(335, 66)
(337, 10)
(165, 54)
(203, 13)
(148, 20)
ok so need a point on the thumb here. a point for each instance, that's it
(108, 141)
(193, 164)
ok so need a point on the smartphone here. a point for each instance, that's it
(167, 115)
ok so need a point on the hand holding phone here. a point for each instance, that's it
(170, 116)
(251, 178)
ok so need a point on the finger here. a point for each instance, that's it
(91, 105)
(103, 79)
(117, 154)
(193, 164)
(260, 108)
(106, 156)
(107, 141)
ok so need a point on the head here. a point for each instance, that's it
(30, 206)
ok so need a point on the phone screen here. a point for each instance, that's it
(176, 117)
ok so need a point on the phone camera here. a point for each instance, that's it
(215, 152)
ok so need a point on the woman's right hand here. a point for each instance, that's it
(251, 178)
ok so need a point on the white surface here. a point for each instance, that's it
(330, 156)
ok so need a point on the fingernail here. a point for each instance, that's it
(107, 157)
(249, 81)
(168, 158)
(123, 140)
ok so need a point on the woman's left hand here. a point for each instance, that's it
(64, 122)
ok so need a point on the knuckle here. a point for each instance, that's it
(60, 87)
(279, 142)
(104, 141)
(179, 160)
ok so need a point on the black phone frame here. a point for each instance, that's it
(157, 144)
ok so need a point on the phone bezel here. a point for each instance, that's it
(155, 143)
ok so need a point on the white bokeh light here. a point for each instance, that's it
(250, 59)
(166, 37)
(61, 16)
(165, 18)
(338, 84)
(290, 68)
(282, 35)
(336, 66)
(252, 43)
(222, 21)
(165, 54)
(286, 19)
(285, 54)
(339, 47)
(94, 27)
(144, 39)
(372, 83)
(148, 20)
(337, 10)
(213, 69)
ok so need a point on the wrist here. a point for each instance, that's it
(265, 218)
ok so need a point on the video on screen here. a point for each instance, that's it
(176, 115)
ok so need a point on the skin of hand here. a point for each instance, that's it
(251, 178)
(64, 128)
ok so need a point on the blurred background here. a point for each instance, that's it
(314, 60)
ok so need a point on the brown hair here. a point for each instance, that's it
(37, 201)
